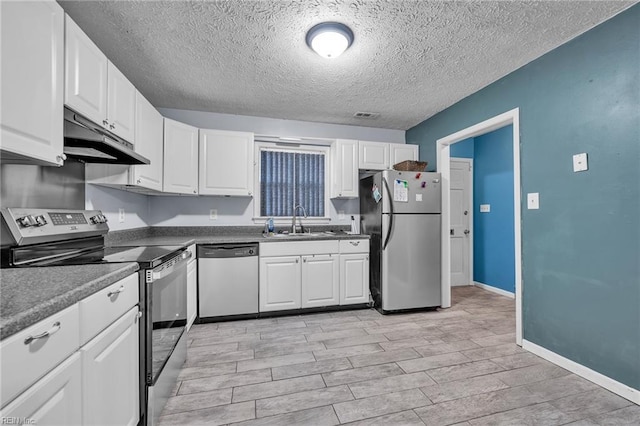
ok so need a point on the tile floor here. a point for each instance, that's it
(455, 366)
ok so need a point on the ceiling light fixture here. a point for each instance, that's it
(329, 39)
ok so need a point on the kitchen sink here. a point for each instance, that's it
(299, 235)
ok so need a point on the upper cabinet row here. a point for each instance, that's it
(350, 156)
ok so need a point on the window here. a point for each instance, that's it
(291, 177)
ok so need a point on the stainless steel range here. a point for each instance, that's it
(41, 237)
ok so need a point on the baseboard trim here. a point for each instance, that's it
(495, 289)
(608, 383)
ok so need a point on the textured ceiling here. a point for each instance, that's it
(409, 60)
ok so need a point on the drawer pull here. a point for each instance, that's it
(114, 292)
(354, 243)
(51, 331)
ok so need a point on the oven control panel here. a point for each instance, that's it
(32, 226)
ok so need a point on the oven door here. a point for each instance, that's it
(166, 312)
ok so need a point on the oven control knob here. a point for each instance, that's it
(99, 218)
(27, 221)
(41, 220)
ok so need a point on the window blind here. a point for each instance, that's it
(291, 178)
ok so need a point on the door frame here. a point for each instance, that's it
(443, 166)
(470, 162)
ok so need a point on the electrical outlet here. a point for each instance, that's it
(213, 214)
(120, 215)
(341, 215)
(533, 201)
(580, 162)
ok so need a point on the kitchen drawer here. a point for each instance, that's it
(354, 246)
(298, 248)
(25, 359)
(98, 311)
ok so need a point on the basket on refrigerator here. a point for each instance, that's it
(411, 166)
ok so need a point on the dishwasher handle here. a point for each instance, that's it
(227, 251)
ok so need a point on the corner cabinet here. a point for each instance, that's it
(180, 158)
(226, 163)
(32, 46)
(344, 174)
(149, 131)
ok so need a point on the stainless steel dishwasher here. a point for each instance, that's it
(227, 280)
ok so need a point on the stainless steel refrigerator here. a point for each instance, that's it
(401, 213)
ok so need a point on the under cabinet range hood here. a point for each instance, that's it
(87, 142)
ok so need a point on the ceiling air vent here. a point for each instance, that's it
(366, 115)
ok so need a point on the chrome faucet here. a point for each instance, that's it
(293, 218)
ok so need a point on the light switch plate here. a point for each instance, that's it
(580, 162)
(485, 208)
(120, 215)
(533, 201)
(213, 214)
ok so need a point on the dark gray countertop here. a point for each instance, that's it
(185, 236)
(32, 294)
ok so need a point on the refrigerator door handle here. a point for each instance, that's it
(386, 240)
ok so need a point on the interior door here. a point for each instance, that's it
(460, 232)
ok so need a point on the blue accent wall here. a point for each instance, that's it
(462, 149)
(493, 232)
(581, 249)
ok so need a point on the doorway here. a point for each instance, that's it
(444, 167)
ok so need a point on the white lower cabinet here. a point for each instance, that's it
(320, 281)
(354, 278)
(279, 283)
(192, 291)
(354, 271)
(311, 274)
(78, 366)
(56, 399)
(110, 374)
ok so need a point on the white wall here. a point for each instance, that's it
(136, 206)
(142, 210)
(277, 127)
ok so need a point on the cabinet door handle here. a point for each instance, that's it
(297, 260)
(112, 126)
(53, 330)
(114, 292)
(105, 122)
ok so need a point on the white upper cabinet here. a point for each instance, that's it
(32, 49)
(85, 75)
(402, 152)
(149, 131)
(373, 155)
(226, 163)
(344, 174)
(180, 158)
(121, 104)
(94, 87)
